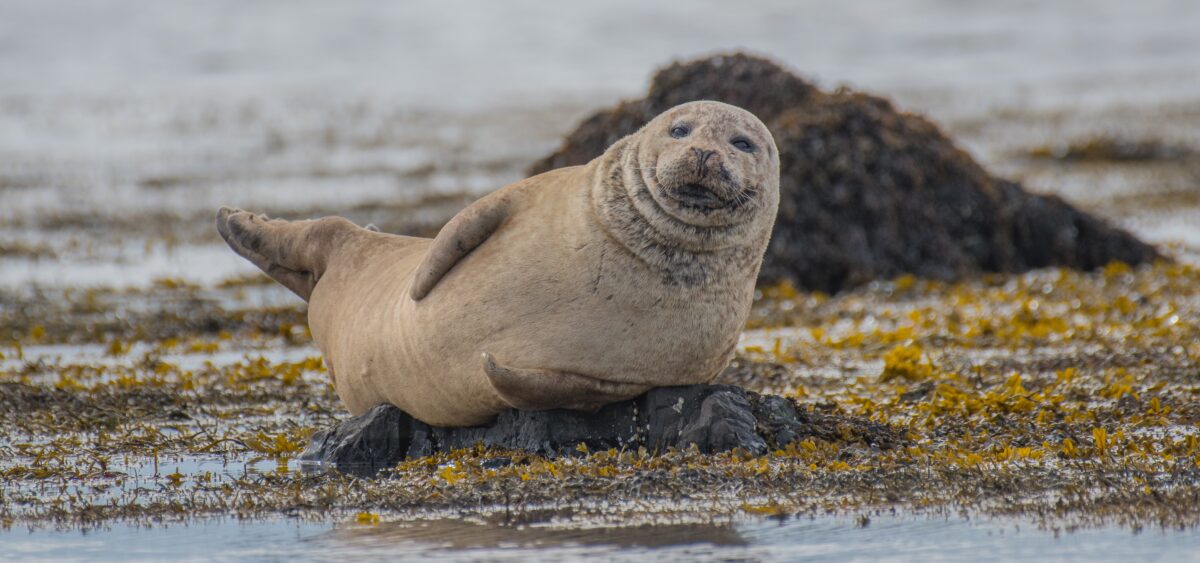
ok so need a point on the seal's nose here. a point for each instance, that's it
(702, 157)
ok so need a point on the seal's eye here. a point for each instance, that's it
(742, 144)
(680, 131)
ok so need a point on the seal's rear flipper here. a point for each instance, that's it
(536, 389)
(294, 253)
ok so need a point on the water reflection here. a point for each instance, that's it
(902, 537)
(879, 538)
(472, 535)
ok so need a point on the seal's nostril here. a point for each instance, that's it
(702, 157)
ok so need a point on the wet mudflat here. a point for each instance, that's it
(1054, 401)
(154, 391)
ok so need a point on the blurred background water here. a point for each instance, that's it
(484, 54)
(124, 124)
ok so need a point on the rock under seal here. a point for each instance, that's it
(713, 418)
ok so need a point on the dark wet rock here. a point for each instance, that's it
(372, 439)
(539, 432)
(716, 418)
(713, 418)
(868, 192)
(778, 420)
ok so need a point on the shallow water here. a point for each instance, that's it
(469, 53)
(883, 538)
(124, 124)
(123, 127)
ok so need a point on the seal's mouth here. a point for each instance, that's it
(698, 196)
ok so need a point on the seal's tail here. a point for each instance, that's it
(294, 253)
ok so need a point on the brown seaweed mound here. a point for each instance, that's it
(868, 192)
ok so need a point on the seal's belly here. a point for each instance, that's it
(533, 304)
(593, 310)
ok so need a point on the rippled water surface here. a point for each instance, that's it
(123, 125)
(882, 538)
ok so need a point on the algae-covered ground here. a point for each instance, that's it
(150, 378)
(1067, 399)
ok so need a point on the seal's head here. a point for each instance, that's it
(709, 164)
(693, 193)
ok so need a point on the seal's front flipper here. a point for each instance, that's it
(535, 389)
(458, 238)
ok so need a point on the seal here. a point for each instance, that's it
(572, 289)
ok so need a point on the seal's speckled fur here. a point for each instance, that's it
(575, 288)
